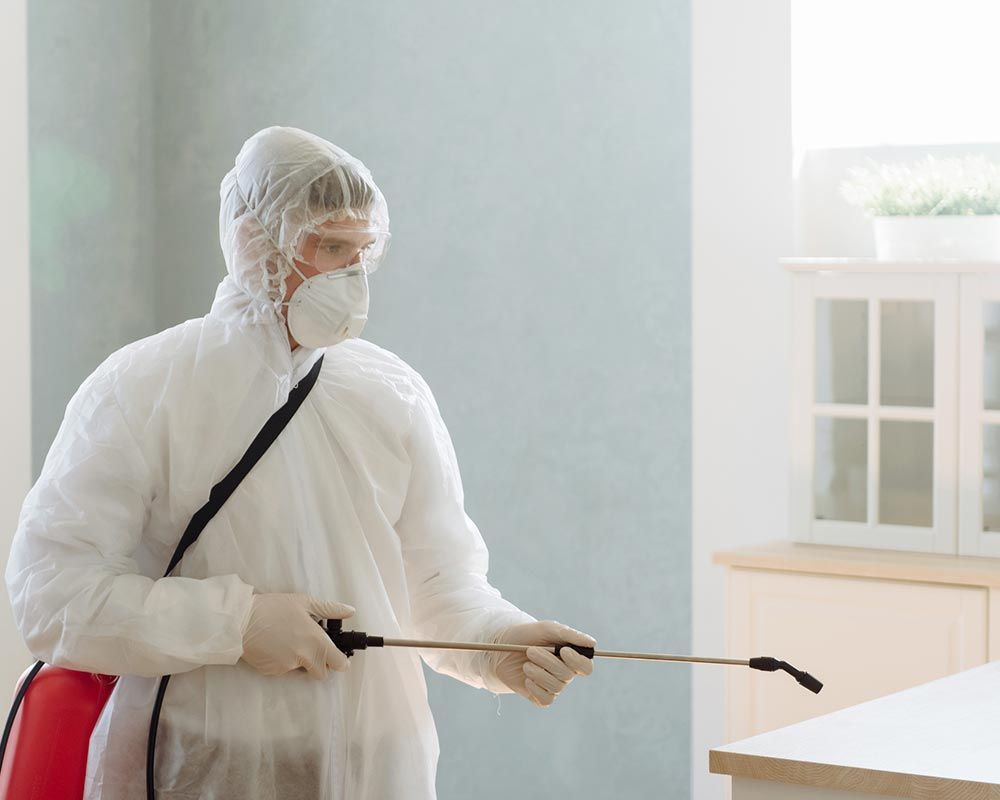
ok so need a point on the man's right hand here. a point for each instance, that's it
(281, 634)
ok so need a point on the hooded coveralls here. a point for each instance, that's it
(359, 500)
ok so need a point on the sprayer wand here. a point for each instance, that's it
(350, 641)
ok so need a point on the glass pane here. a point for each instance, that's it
(991, 356)
(907, 353)
(991, 477)
(842, 351)
(906, 480)
(841, 483)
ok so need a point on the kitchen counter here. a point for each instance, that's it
(938, 740)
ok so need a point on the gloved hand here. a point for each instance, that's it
(539, 675)
(281, 634)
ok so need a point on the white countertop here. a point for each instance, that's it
(807, 264)
(941, 739)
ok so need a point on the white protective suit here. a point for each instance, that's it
(359, 500)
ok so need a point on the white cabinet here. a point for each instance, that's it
(895, 408)
(867, 623)
(895, 447)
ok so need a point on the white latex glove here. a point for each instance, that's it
(281, 634)
(539, 675)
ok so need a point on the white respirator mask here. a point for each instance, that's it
(330, 307)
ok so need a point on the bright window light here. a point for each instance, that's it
(894, 72)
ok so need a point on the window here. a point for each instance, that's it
(894, 72)
(888, 80)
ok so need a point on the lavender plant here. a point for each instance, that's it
(930, 187)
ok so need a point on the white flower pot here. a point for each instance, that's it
(969, 238)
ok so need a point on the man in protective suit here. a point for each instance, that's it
(356, 511)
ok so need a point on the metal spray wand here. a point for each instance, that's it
(350, 641)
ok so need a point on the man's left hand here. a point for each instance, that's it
(539, 675)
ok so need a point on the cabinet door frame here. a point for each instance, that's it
(976, 289)
(943, 291)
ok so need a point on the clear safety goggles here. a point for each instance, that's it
(334, 246)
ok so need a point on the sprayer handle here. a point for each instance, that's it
(349, 641)
(583, 651)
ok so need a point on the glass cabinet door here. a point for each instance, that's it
(841, 476)
(907, 353)
(906, 474)
(879, 409)
(841, 351)
(840, 443)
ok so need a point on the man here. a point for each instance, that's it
(359, 502)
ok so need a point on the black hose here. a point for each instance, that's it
(17, 704)
(151, 741)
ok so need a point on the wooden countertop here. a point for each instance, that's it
(865, 563)
(938, 740)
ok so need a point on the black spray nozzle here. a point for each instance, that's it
(349, 641)
(768, 664)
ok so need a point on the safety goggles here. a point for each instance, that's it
(334, 246)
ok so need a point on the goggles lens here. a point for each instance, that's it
(331, 248)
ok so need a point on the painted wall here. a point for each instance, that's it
(15, 306)
(75, 90)
(92, 271)
(741, 224)
(536, 161)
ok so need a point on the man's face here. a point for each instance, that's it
(329, 247)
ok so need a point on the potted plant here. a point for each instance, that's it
(931, 209)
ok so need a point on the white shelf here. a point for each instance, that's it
(873, 265)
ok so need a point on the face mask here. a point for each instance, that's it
(328, 308)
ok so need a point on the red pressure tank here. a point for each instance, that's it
(46, 756)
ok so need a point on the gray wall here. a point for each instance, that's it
(89, 123)
(536, 162)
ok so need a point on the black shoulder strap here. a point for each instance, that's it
(219, 494)
(262, 441)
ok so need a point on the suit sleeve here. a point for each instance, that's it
(78, 596)
(445, 558)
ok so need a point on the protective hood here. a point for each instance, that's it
(285, 182)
